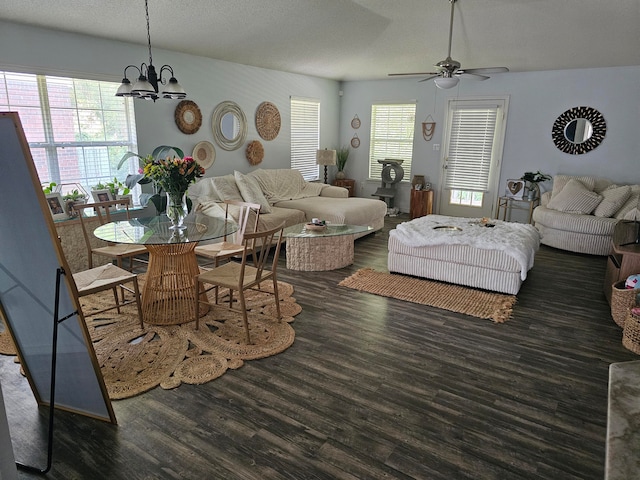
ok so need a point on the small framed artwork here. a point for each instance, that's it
(56, 206)
(515, 189)
(101, 195)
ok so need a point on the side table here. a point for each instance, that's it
(347, 183)
(421, 203)
(506, 204)
(624, 259)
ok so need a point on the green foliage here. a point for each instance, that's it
(116, 187)
(157, 198)
(535, 177)
(342, 155)
(74, 195)
(49, 188)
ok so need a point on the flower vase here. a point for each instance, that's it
(177, 209)
(340, 175)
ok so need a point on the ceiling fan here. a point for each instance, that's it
(449, 70)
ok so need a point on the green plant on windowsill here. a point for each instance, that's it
(75, 195)
(49, 188)
(115, 187)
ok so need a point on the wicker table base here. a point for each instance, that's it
(167, 296)
(317, 254)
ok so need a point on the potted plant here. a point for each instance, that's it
(532, 179)
(342, 155)
(49, 187)
(72, 198)
(158, 197)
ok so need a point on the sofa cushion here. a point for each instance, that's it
(227, 188)
(559, 182)
(251, 192)
(632, 202)
(575, 198)
(612, 199)
(352, 211)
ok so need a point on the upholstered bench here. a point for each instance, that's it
(492, 258)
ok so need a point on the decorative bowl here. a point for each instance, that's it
(315, 226)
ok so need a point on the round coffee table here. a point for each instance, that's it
(320, 250)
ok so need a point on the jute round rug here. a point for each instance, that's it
(455, 298)
(134, 360)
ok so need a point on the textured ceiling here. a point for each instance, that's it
(361, 39)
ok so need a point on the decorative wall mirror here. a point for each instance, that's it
(229, 125)
(579, 130)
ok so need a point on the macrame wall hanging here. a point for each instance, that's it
(428, 128)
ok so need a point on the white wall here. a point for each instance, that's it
(536, 100)
(207, 82)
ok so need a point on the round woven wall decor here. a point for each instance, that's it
(255, 152)
(268, 121)
(188, 117)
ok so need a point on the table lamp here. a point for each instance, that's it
(326, 157)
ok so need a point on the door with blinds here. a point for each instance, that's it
(472, 154)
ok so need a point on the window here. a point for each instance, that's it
(392, 127)
(470, 150)
(77, 130)
(305, 136)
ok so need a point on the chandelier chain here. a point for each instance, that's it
(146, 7)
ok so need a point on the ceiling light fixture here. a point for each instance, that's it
(146, 86)
(446, 82)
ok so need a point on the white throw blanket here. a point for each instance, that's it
(285, 184)
(518, 240)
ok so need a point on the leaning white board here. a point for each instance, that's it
(30, 255)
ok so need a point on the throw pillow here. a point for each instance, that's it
(612, 199)
(227, 188)
(575, 198)
(251, 192)
(560, 181)
(632, 202)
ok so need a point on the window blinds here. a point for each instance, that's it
(305, 136)
(470, 148)
(392, 127)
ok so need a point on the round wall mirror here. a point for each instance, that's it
(229, 125)
(579, 130)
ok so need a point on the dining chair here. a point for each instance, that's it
(241, 276)
(225, 250)
(108, 277)
(114, 251)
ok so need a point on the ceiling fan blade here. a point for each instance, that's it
(485, 70)
(472, 76)
(410, 74)
(433, 75)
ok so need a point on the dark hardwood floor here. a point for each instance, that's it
(372, 388)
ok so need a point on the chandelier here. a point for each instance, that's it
(146, 86)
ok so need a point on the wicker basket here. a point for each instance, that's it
(622, 300)
(631, 333)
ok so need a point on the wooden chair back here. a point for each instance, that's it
(244, 215)
(259, 245)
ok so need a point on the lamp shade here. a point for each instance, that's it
(446, 82)
(326, 157)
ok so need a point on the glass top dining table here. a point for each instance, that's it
(168, 292)
(156, 230)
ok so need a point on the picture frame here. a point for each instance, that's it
(515, 189)
(56, 206)
(102, 195)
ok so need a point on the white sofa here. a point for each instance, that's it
(580, 213)
(284, 195)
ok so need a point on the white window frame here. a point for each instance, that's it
(305, 136)
(392, 135)
(94, 160)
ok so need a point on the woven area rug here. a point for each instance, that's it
(134, 361)
(455, 298)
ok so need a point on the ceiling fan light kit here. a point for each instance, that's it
(446, 82)
(449, 70)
